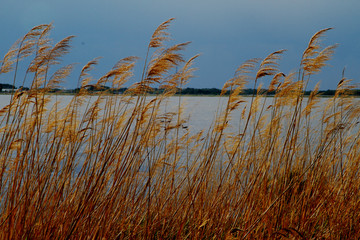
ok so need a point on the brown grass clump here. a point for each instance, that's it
(120, 167)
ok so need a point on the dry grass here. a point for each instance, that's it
(118, 167)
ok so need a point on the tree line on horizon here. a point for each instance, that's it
(180, 91)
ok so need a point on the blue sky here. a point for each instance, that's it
(226, 33)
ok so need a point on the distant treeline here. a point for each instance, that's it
(198, 91)
(183, 91)
(6, 87)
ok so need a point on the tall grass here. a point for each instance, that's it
(119, 167)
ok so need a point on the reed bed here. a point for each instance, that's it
(120, 167)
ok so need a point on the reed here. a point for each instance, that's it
(120, 167)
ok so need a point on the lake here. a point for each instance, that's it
(200, 111)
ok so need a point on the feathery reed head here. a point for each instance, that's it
(270, 65)
(164, 62)
(313, 59)
(84, 77)
(160, 35)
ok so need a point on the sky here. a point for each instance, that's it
(226, 33)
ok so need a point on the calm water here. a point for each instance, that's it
(199, 111)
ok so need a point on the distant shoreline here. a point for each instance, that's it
(183, 92)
